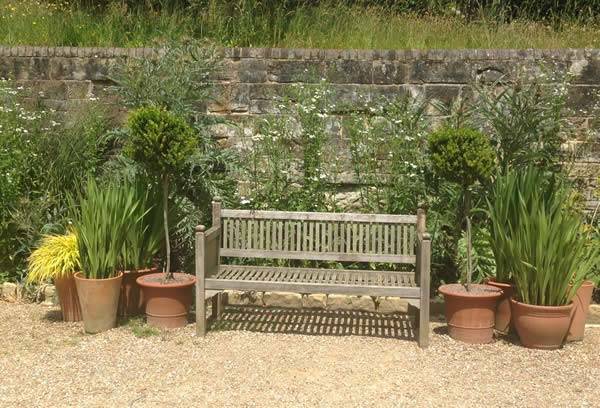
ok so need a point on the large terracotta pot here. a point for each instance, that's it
(68, 299)
(503, 320)
(542, 327)
(99, 300)
(581, 307)
(131, 302)
(471, 315)
(167, 304)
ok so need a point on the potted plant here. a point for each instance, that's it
(102, 218)
(161, 142)
(548, 256)
(57, 259)
(465, 157)
(502, 211)
(142, 244)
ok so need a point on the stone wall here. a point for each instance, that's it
(254, 79)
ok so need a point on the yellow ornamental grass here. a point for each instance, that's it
(56, 257)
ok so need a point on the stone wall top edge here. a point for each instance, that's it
(316, 54)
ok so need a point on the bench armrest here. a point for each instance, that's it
(208, 243)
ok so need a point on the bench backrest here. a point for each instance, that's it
(343, 237)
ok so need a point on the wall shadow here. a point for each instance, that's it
(316, 322)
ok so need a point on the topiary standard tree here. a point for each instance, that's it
(463, 156)
(161, 142)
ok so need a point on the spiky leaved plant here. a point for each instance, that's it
(162, 142)
(538, 239)
(465, 157)
(102, 217)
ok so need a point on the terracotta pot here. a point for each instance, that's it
(581, 307)
(99, 300)
(471, 315)
(167, 304)
(542, 327)
(68, 299)
(131, 302)
(503, 321)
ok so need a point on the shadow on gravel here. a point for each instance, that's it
(53, 315)
(316, 322)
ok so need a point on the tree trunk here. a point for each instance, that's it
(469, 248)
(165, 194)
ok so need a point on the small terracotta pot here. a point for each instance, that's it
(131, 302)
(471, 315)
(99, 300)
(581, 307)
(167, 304)
(541, 327)
(68, 299)
(503, 322)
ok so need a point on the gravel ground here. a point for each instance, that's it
(44, 362)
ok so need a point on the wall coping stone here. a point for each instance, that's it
(236, 53)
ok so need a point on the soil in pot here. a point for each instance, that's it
(167, 303)
(99, 300)
(471, 314)
(131, 302)
(581, 306)
(503, 319)
(68, 299)
(541, 327)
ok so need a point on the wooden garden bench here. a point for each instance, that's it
(337, 237)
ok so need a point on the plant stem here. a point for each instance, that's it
(468, 218)
(165, 191)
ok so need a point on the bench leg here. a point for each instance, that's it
(423, 320)
(217, 305)
(200, 313)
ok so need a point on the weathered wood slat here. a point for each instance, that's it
(318, 256)
(283, 286)
(319, 216)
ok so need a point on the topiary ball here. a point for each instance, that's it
(159, 140)
(463, 156)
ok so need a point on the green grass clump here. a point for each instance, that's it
(324, 24)
(141, 330)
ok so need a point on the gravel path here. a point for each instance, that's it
(44, 362)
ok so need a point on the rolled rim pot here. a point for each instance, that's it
(471, 315)
(68, 298)
(581, 306)
(503, 322)
(167, 303)
(99, 299)
(131, 302)
(541, 327)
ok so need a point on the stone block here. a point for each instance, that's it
(78, 89)
(314, 301)
(10, 290)
(390, 304)
(389, 73)
(283, 299)
(295, 71)
(252, 70)
(241, 298)
(230, 98)
(440, 72)
(349, 72)
(346, 302)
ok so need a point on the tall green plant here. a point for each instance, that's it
(102, 218)
(543, 245)
(162, 142)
